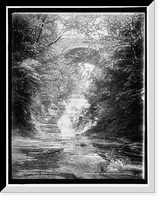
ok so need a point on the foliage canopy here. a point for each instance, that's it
(42, 78)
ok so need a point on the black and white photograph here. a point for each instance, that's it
(77, 96)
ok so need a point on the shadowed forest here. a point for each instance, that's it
(78, 96)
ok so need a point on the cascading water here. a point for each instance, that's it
(73, 109)
(76, 103)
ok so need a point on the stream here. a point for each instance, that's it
(51, 157)
(59, 151)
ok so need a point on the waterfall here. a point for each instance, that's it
(76, 103)
(73, 107)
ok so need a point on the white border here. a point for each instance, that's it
(108, 188)
(151, 95)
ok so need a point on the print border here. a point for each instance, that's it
(137, 187)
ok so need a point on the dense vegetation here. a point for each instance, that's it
(42, 79)
(117, 99)
(39, 80)
(25, 81)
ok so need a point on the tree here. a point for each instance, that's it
(25, 83)
(33, 37)
(21, 39)
(25, 76)
(116, 100)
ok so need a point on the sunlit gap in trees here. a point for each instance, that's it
(76, 104)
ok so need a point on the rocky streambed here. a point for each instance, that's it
(48, 156)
